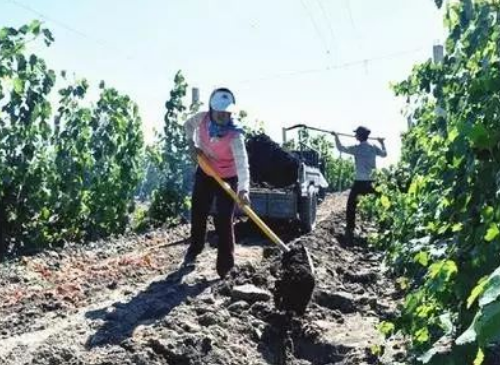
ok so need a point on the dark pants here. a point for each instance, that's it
(358, 188)
(204, 191)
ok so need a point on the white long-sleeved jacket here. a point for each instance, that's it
(191, 128)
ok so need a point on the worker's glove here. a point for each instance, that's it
(244, 197)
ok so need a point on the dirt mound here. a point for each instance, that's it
(270, 164)
(153, 314)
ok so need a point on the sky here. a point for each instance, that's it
(324, 63)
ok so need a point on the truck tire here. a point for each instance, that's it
(321, 194)
(307, 212)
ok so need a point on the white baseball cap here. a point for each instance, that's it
(223, 101)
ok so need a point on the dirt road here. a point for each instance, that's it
(122, 302)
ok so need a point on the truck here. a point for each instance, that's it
(299, 201)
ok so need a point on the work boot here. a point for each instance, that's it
(224, 265)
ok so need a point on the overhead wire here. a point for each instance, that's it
(328, 20)
(347, 4)
(316, 27)
(354, 63)
(102, 43)
(108, 45)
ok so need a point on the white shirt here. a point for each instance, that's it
(364, 156)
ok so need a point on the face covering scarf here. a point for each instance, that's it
(216, 130)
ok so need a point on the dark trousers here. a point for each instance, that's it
(204, 191)
(358, 188)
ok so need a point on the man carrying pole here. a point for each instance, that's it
(365, 161)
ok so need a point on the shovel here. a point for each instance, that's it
(293, 290)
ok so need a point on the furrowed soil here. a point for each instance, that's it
(123, 301)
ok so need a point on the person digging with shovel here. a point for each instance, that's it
(216, 136)
(365, 163)
(218, 147)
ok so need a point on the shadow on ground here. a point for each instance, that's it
(149, 305)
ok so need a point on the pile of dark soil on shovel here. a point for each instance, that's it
(295, 284)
